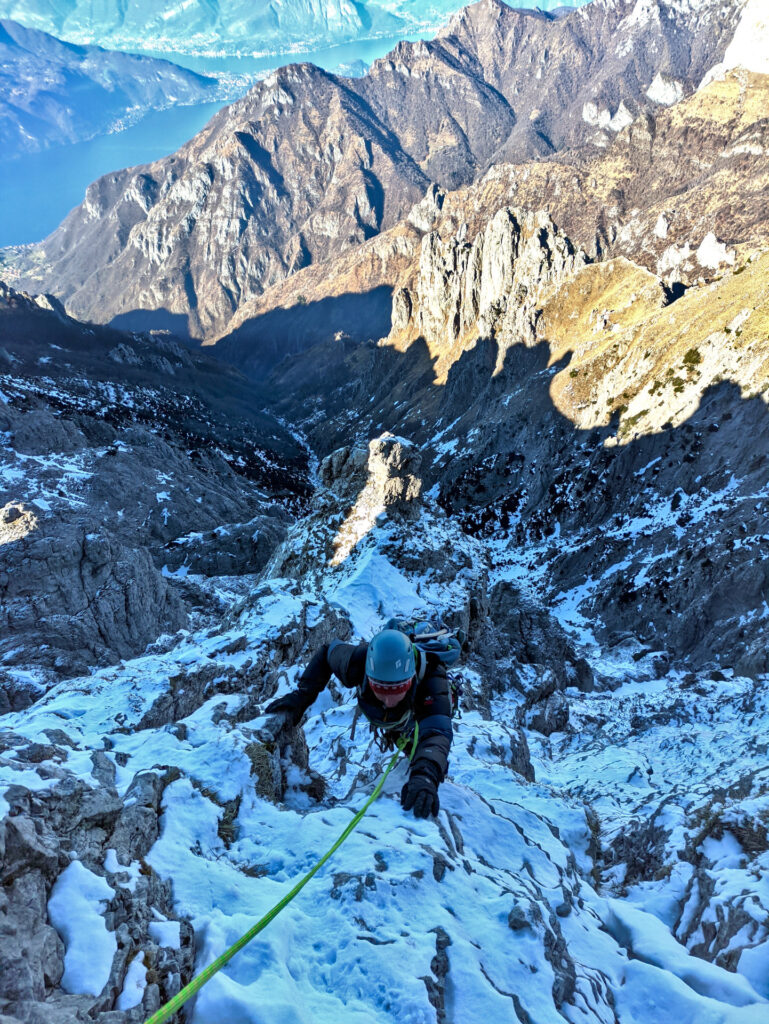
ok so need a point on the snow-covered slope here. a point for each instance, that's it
(578, 896)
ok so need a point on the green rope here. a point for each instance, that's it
(207, 973)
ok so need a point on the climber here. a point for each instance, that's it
(397, 685)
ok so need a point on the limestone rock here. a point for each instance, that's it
(550, 717)
(424, 213)
(537, 639)
(394, 475)
(43, 833)
(386, 477)
(402, 308)
(83, 594)
(469, 288)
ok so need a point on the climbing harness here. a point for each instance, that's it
(176, 1003)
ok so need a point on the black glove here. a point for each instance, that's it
(293, 705)
(421, 793)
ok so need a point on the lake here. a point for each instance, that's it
(38, 191)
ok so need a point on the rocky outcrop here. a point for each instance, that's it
(123, 472)
(360, 488)
(76, 828)
(551, 716)
(83, 596)
(466, 289)
(386, 476)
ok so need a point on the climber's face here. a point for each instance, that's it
(390, 694)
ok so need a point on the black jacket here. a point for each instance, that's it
(430, 699)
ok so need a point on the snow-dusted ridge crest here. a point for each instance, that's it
(525, 900)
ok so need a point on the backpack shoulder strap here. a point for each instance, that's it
(421, 662)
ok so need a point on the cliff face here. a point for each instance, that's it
(680, 194)
(294, 172)
(308, 165)
(121, 456)
(466, 290)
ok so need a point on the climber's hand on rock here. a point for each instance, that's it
(293, 706)
(421, 794)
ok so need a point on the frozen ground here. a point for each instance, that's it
(581, 896)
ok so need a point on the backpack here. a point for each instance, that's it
(446, 644)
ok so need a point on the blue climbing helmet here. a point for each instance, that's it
(390, 666)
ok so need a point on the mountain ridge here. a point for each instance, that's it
(422, 102)
(665, 195)
(55, 93)
(231, 26)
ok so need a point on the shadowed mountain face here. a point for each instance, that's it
(121, 456)
(579, 416)
(638, 536)
(308, 165)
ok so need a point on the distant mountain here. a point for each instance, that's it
(232, 26)
(680, 194)
(52, 92)
(308, 165)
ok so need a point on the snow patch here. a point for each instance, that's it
(76, 910)
(134, 984)
(166, 933)
(712, 253)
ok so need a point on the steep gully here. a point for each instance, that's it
(527, 899)
(536, 899)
